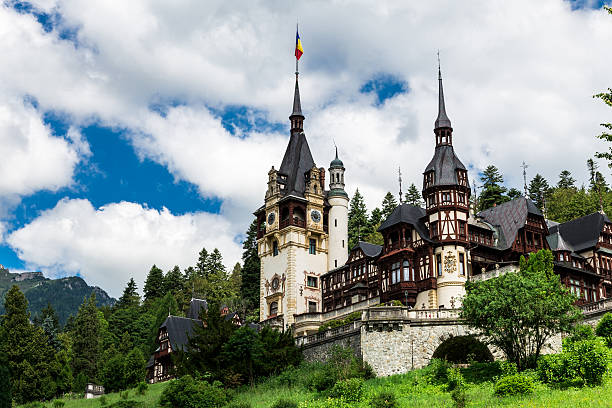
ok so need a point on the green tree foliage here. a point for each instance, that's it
(235, 278)
(280, 350)
(86, 342)
(389, 204)
(173, 281)
(161, 309)
(375, 237)
(153, 287)
(112, 372)
(249, 286)
(358, 225)
(6, 396)
(413, 196)
(244, 353)
(514, 193)
(539, 191)
(566, 181)
(134, 368)
(604, 328)
(130, 295)
(212, 280)
(187, 392)
(493, 191)
(30, 359)
(519, 312)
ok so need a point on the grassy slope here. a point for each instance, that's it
(410, 391)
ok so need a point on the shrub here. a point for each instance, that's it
(437, 371)
(322, 379)
(102, 400)
(189, 393)
(456, 384)
(516, 384)
(384, 399)
(604, 328)
(284, 403)
(350, 390)
(579, 332)
(142, 388)
(58, 404)
(553, 370)
(480, 372)
(125, 403)
(332, 324)
(124, 394)
(588, 359)
(463, 349)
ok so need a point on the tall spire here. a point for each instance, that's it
(297, 118)
(442, 120)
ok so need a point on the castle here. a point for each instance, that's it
(309, 275)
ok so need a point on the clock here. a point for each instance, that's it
(275, 283)
(271, 218)
(315, 216)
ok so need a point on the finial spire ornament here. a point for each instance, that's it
(442, 120)
(399, 172)
(524, 166)
(297, 118)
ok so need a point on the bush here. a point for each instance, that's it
(516, 384)
(58, 404)
(189, 393)
(553, 370)
(480, 372)
(102, 400)
(588, 359)
(437, 371)
(142, 388)
(124, 394)
(284, 403)
(350, 390)
(463, 349)
(456, 384)
(604, 328)
(384, 399)
(322, 379)
(332, 324)
(125, 403)
(579, 332)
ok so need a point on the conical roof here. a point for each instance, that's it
(442, 120)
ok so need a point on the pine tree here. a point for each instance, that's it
(30, 359)
(173, 281)
(6, 396)
(358, 225)
(214, 264)
(130, 295)
(566, 180)
(202, 262)
(413, 196)
(388, 205)
(153, 287)
(539, 191)
(493, 192)
(375, 237)
(514, 193)
(235, 279)
(249, 286)
(86, 347)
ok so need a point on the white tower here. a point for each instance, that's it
(338, 215)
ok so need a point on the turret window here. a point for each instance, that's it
(406, 270)
(439, 264)
(431, 200)
(312, 247)
(461, 264)
(335, 222)
(446, 197)
(274, 248)
(395, 273)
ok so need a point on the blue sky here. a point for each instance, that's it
(160, 133)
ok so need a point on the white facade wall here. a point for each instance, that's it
(451, 284)
(338, 232)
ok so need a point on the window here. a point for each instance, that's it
(273, 309)
(311, 282)
(434, 229)
(275, 248)
(406, 268)
(335, 263)
(395, 273)
(342, 243)
(312, 307)
(461, 264)
(461, 198)
(439, 262)
(446, 197)
(335, 222)
(462, 229)
(313, 246)
(431, 200)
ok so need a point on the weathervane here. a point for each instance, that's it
(524, 166)
(399, 172)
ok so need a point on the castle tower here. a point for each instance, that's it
(447, 195)
(338, 215)
(292, 241)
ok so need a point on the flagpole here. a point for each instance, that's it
(297, 60)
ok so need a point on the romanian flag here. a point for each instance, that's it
(298, 46)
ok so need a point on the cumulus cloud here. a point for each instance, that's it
(109, 245)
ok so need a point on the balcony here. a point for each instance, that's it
(296, 222)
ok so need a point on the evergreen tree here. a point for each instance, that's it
(214, 264)
(30, 359)
(249, 285)
(235, 279)
(244, 352)
(153, 287)
(514, 193)
(566, 181)
(388, 205)
(52, 332)
(374, 237)
(134, 368)
(130, 295)
(539, 191)
(358, 225)
(493, 192)
(162, 308)
(173, 281)
(413, 196)
(86, 346)
(6, 396)
(201, 266)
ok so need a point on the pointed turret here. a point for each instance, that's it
(442, 121)
(296, 118)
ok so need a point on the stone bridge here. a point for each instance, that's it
(395, 340)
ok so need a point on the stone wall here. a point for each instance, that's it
(320, 350)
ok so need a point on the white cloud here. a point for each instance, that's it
(518, 79)
(32, 158)
(111, 244)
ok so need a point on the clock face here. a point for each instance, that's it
(275, 283)
(271, 218)
(315, 215)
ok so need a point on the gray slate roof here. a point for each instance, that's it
(370, 250)
(179, 329)
(509, 217)
(195, 306)
(582, 233)
(297, 161)
(445, 164)
(409, 214)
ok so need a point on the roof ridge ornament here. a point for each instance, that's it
(442, 120)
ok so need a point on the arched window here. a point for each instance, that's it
(273, 309)
(406, 271)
